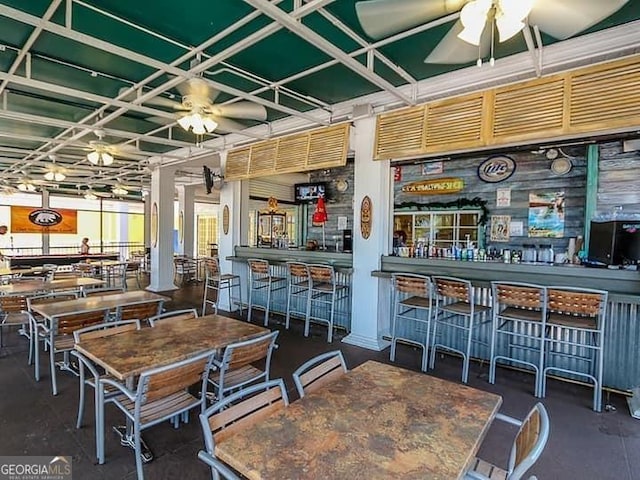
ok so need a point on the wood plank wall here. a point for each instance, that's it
(619, 178)
(533, 174)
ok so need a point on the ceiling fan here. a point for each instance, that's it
(102, 153)
(469, 38)
(198, 113)
(56, 172)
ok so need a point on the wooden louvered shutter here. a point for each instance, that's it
(400, 133)
(292, 153)
(454, 124)
(263, 158)
(237, 166)
(328, 147)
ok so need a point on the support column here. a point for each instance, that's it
(147, 220)
(46, 239)
(235, 195)
(369, 320)
(162, 197)
(591, 203)
(186, 208)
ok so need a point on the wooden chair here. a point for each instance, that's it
(142, 311)
(319, 371)
(527, 448)
(261, 280)
(185, 268)
(298, 291)
(162, 394)
(173, 316)
(235, 370)
(100, 330)
(235, 412)
(95, 292)
(215, 281)
(131, 271)
(58, 337)
(324, 293)
(14, 311)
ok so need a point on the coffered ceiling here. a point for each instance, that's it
(77, 75)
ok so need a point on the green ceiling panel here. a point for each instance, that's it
(13, 33)
(26, 100)
(32, 7)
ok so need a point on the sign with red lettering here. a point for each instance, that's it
(435, 186)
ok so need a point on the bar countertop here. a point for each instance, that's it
(339, 260)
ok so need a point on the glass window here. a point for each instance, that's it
(442, 229)
(19, 243)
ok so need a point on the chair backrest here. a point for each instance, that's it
(409, 284)
(132, 267)
(174, 316)
(94, 292)
(239, 354)
(13, 303)
(297, 270)
(319, 371)
(106, 329)
(212, 267)
(50, 298)
(321, 273)
(529, 443)
(62, 274)
(68, 323)
(164, 381)
(243, 408)
(141, 311)
(258, 267)
(581, 302)
(520, 295)
(454, 288)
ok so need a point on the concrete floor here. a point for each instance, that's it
(582, 445)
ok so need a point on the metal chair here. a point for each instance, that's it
(298, 290)
(162, 394)
(173, 316)
(527, 447)
(95, 292)
(100, 330)
(324, 293)
(260, 279)
(58, 338)
(14, 311)
(131, 271)
(455, 311)
(575, 335)
(185, 268)
(319, 371)
(232, 413)
(114, 275)
(235, 370)
(141, 311)
(216, 281)
(412, 308)
(519, 317)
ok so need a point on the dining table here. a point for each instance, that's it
(97, 302)
(128, 354)
(376, 421)
(30, 287)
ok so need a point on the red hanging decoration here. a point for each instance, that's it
(320, 214)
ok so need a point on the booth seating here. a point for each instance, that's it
(577, 319)
(519, 324)
(412, 304)
(261, 280)
(455, 310)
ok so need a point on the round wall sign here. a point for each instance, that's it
(496, 169)
(366, 217)
(154, 225)
(225, 219)
(44, 217)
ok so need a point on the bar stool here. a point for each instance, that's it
(323, 292)
(411, 298)
(297, 290)
(455, 301)
(260, 278)
(575, 334)
(519, 317)
(216, 281)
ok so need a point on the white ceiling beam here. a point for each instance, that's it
(327, 47)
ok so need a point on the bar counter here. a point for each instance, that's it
(16, 261)
(277, 258)
(622, 327)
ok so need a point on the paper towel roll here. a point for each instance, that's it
(571, 250)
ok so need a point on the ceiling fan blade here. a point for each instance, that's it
(226, 125)
(161, 120)
(381, 18)
(159, 101)
(246, 110)
(451, 50)
(564, 18)
(198, 87)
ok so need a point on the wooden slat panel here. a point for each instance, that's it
(526, 110)
(606, 98)
(328, 147)
(263, 158)
(237, 164)
(400, 133)
(454, 124)
(292, 153)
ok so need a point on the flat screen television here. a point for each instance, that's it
(310, 192)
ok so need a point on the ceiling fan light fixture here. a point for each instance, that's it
(90, 195)
(508, 26)
(57, 176)
(210, 124)
(185, 121)
(119, 190)
(473, 17)
(97, 157)
(197, 123)
(26, 187)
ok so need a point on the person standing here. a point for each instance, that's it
(3, 231)
(84, 246)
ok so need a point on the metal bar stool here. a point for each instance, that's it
(456, 304)
(411, 298)
(298, 292)
(324, 292)
(260, 278)
(519, 318)
(575, 334)
(216, 281)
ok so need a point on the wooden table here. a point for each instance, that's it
(131, 353)
(36, 286)
(98, 302)
(376, 422)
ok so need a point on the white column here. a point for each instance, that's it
(369, 320)
(235, 195)
(147, 220)
(162, 197)
(186, 208)
(46, 239)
